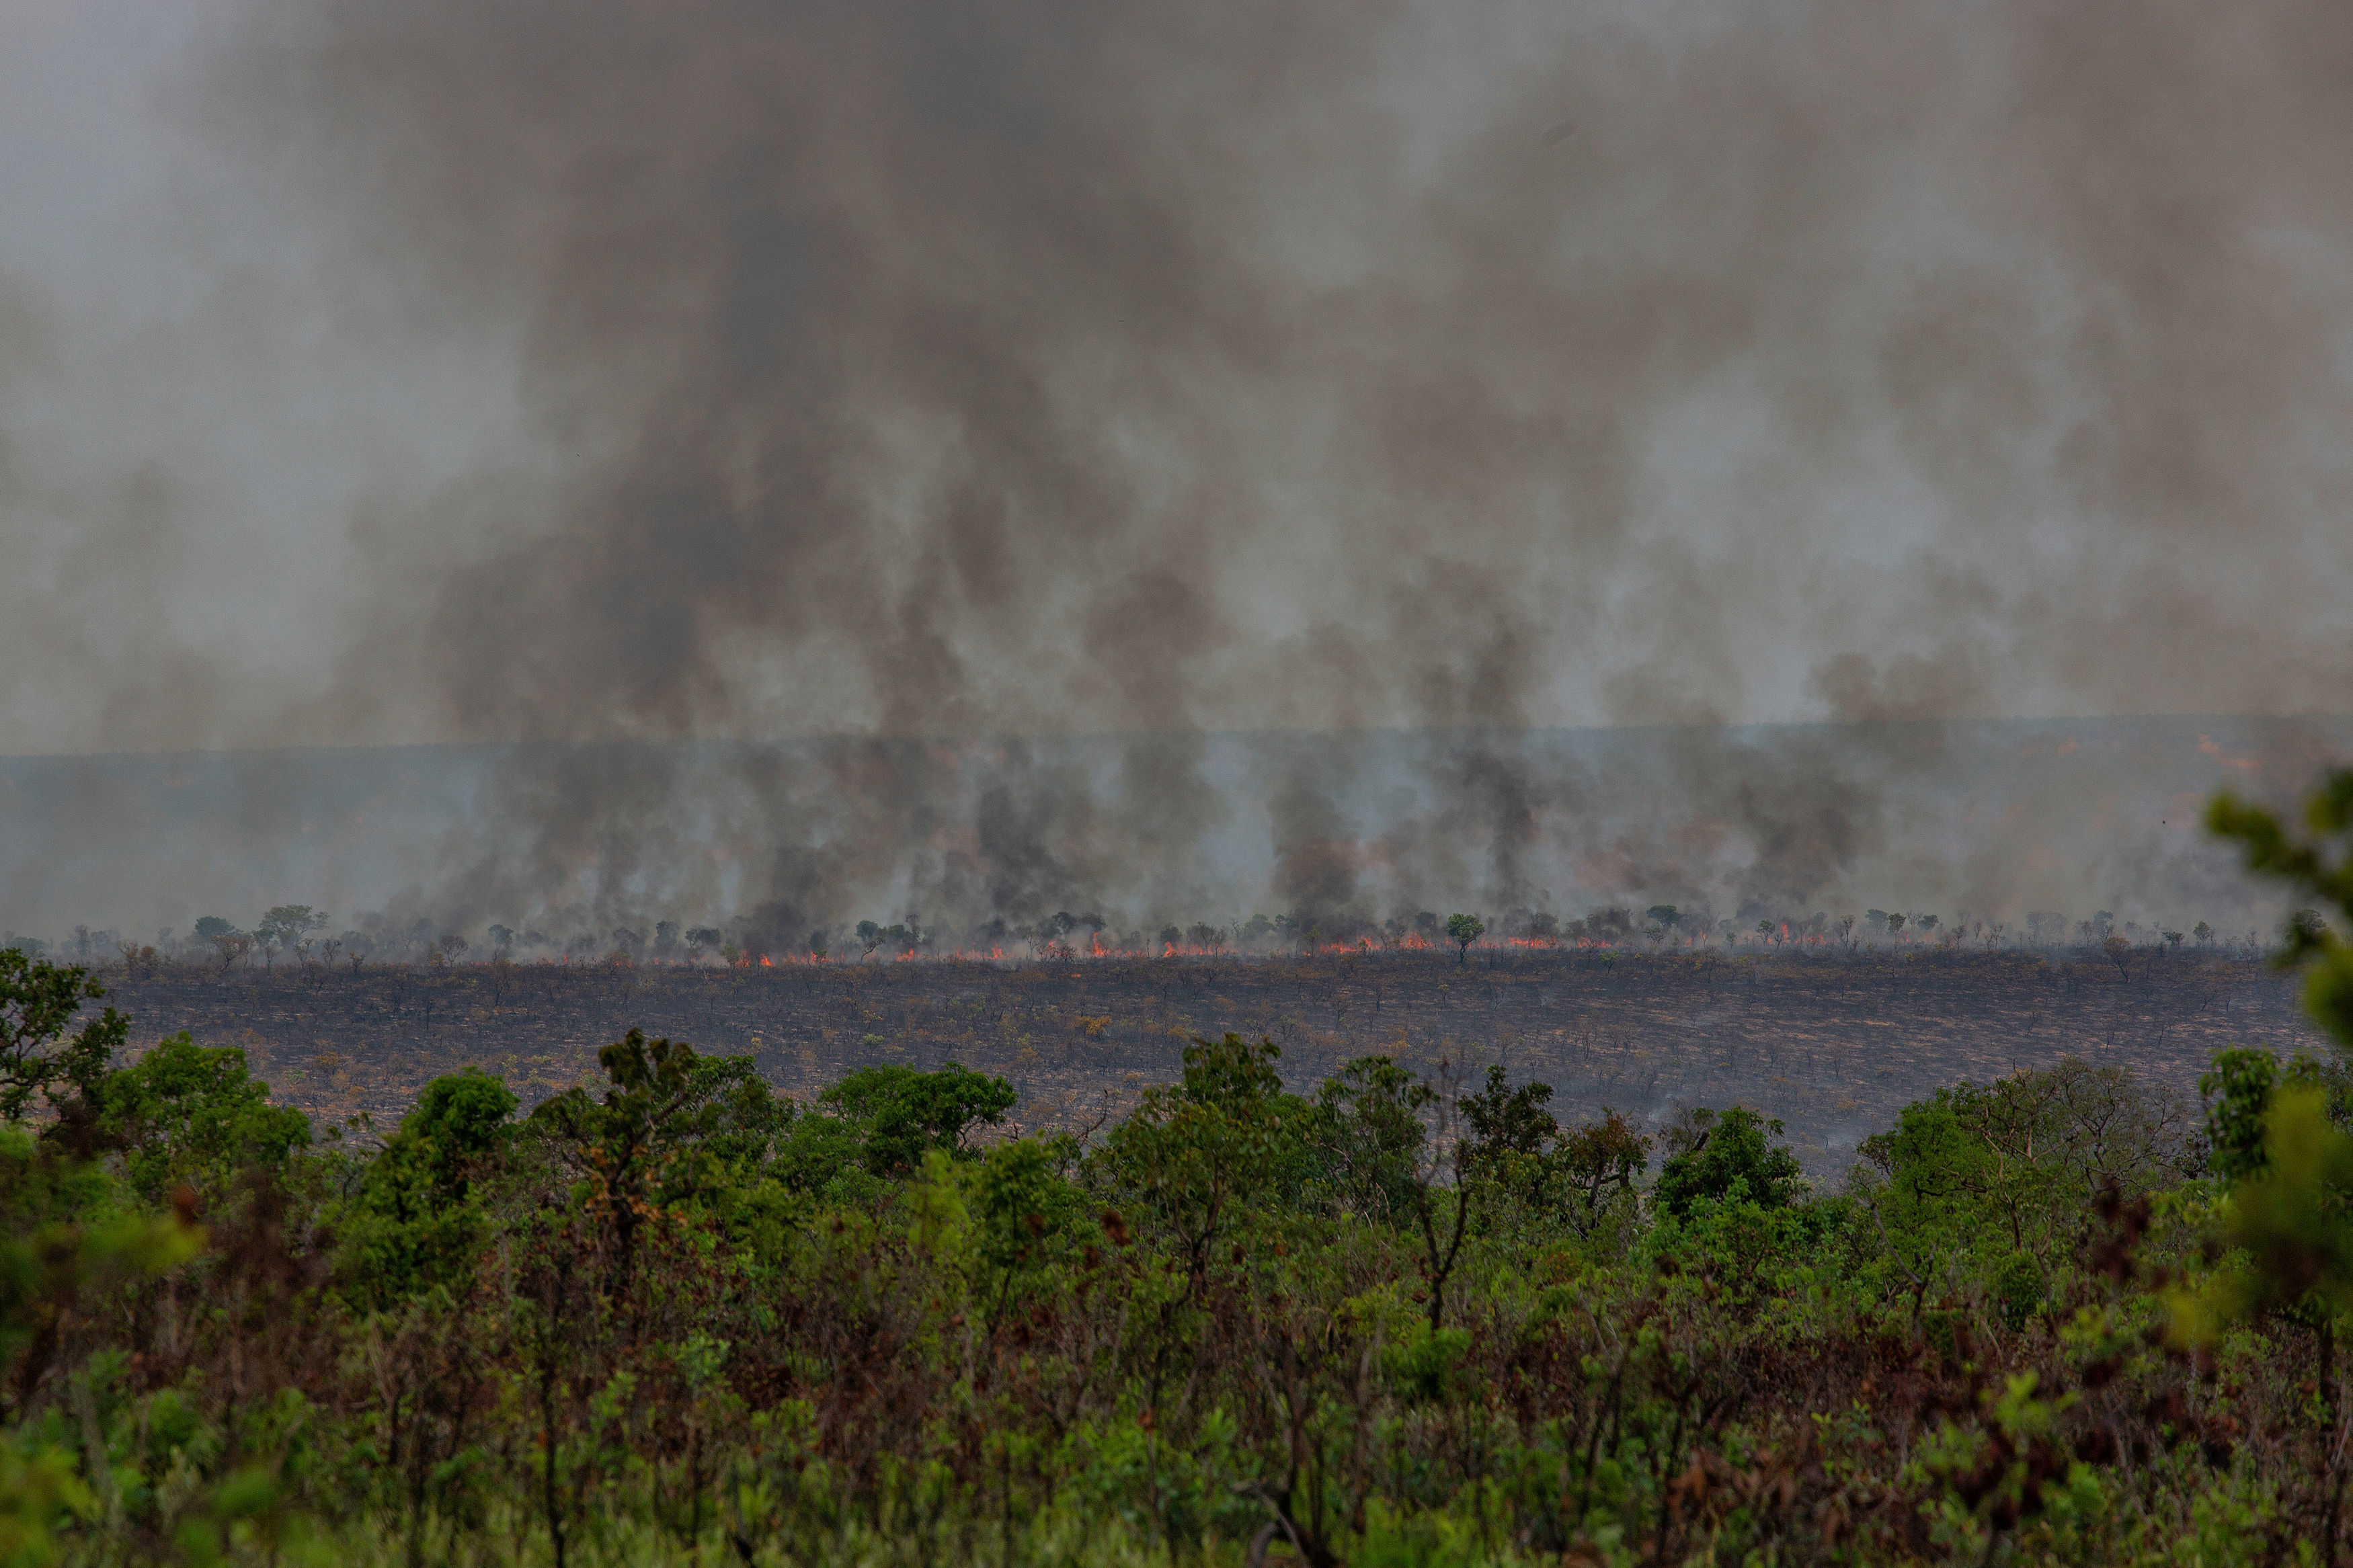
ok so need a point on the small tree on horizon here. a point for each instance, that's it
(1465, 930)
(286, 927)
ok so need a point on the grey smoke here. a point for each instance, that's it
(790, 837)
(932, 375)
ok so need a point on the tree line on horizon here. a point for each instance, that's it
(296, 935)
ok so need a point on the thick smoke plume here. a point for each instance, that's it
(933, 375)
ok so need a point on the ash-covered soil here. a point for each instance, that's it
(1832, 1042)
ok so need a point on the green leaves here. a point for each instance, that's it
(2238, 1088)
(1030, 1213)
(1425, 1365)
(41, 1496)
(1462, 931)
(1030, 1224)
(187, 1114)
(417, 1220)
(2290, 1217)
(1997, 1181)
(667, 1105)
(2285, 1225)
(1226, 1134)
(1507, 1118)
(1724, 1151)
(1580, 1174)
(1369, 1129)
(901, 1112)
(67, 1233)
(38, 1004)
(2321, 867)
(462, 1119)
(2273, 1132)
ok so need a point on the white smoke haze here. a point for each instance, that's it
(1178, 459)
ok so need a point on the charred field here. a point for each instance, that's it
(1834, 1043)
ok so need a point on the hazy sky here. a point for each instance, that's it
(189, 412)
(479, 370)
(778, 369)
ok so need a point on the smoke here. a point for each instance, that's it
(795, 838)
(926, 375)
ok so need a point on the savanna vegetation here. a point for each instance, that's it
(1389, 1317)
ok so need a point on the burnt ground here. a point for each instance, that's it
(1834, 1043)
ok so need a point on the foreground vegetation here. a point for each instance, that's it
(1396, 1318)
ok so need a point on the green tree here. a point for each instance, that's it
(1512, 1136)
(901, 1113)
(1719, 1152)
(1389, 1138)
(1031, 1217)
(69, 1244)
(1462, 931)
(38, 1001)
(675, 1129)
(2288, 1228)
(1502, 1117)
(1370, 1132)
(188, 1115)
(1598, 1165)
(418, 1220)
(2015, 1167)
(1194, 1154)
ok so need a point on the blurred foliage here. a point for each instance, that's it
(2317, 865)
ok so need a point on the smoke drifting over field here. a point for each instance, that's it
(775, 840)
(1423, 376)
